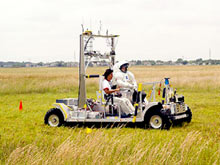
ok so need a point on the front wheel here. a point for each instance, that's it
(189, 117)
(54, 118)
(156, 120)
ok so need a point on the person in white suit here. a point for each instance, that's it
(122, 77)
(125, 80)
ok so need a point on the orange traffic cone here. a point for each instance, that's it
(20, 106)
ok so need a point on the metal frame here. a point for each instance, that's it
(84, 39)
(153, 89)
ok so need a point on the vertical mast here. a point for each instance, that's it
(82, 84)
(87, 51)
(112, 53)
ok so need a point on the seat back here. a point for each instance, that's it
(100, 93)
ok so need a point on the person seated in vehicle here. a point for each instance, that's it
(126, 80)
(125, 104)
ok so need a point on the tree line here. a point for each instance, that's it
(179, 61)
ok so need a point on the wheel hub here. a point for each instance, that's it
(53, 120)
(155, 121)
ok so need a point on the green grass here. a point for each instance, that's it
(24, 139)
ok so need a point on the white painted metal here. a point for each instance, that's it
(82, 84)
(82, 68)
(107, 119)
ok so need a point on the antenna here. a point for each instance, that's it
(82, 28)
(210, 53)
(74, 56)
(90, 24)
(100, 26)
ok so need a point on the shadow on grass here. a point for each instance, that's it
(121, 125)
(104, 125)
(108, 125)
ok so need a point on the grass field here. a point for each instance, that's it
(24, 139)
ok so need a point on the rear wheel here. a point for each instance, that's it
(54, 118)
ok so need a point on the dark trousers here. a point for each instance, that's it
(136, 96)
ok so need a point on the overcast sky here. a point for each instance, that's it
(48, 30)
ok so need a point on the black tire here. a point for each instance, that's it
(54, 118)
(156, 120)
(189, 117)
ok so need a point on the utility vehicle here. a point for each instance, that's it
(148, 113)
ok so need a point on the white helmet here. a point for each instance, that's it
(117, 67)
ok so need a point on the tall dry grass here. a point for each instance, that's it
(40, 80)
(24, 139)
(181, 76)
(100, 148)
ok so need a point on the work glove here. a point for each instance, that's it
(135, 87)
(131, 86)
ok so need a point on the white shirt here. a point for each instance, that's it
(106, 85)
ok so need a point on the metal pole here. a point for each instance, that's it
(82, 84)
(112, 61)
(154, 92)
(166, 95)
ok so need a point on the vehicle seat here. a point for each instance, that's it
(99, 93)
